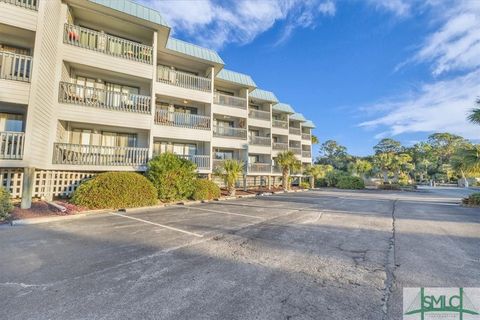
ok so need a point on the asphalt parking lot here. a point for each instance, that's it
(323, 254)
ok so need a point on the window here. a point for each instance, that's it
(183, 149)
(227, 93)
(224, 123)
(253, 158)
(11, 122)
(183, 109)
(223, 155)
(114, 139)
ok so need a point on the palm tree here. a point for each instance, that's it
(230, 171)
(474, 116)
(288, 163)
(314, 139)
(469, 158)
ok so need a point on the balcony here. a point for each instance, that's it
(100, 98)
(306, 136)
(229, 132)
(15, 66)
(260, 141)
(280, 124)
(183, 79)
(78, 154)
(306, 154)
(295, 150)
(11, 145)
(280, 146)
(182, 120)
(29, 4)
(295, 131)
(229, 101)
(202, 161)
(259, 114)
(259, 167)
(105, 43)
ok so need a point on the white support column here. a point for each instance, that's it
(27, 190)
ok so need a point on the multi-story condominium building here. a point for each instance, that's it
(97, 85)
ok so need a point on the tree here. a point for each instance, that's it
(474, 116)
(230, 171)
(360, 167)
(315, 139)
(383, 161)
(333, 154)
(288, 163)
(422, 158)
(318, 171)
(401, 163)
(388, 145)
(469, 158)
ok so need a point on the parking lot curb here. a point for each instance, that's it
(23, 222)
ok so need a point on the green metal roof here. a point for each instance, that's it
(263, 95)
(308, 124)
(297, 117)
(135, 9)
(283, 107)
(236, 77)
(193, 50)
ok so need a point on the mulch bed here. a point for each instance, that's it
(42, 209)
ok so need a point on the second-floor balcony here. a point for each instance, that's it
(306, 136)
(201, 161)
(306, 154)
(11, 145)
(29, 4)
(259, 114)
(108, 44)
(230, 132)
(260, 167)
(15, 66)
(229, 101)
(182, 120)
(183, 79)
(280, 146)
(280, 124)
(295, 131)
(296, 150)
(80, 154)
(104, 99)
(260, 141)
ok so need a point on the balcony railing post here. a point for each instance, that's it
(280, 124)
(183, 79)
(29, 4)
(230, 132)
(183, 120)
(11, 145)
(15, 66)
(230, 101)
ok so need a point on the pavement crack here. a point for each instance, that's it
(390, 266)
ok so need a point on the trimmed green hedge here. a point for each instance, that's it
(389, 186)
(472, 200)
(205, 190)
(304, 185)
(115, 190)
(173, 177)
(350, 182)
(5, 204)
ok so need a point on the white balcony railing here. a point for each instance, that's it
(105, 43)
(183, 79)
(104, 99)
(80, 154)
(229, 101)
(295, 131)
(295, 150)
(280, 146)
(202, 161)
(11, 145)
(259, 114)
(260, 141)
(15, 66)
(306, 136)
(182, 120)
(280, 124)
(306, 154)
(29, 4)
(260, 167)
(239, 133)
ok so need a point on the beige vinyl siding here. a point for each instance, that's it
(41, 116)
(14, 91)
(17, 16)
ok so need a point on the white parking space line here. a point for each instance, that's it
(158, 225)
(226, 212)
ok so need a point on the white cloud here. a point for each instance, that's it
(214, 23)
(400, 8)
(441, 106)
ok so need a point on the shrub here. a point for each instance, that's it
(472, 200)
(5, 204)
(205, 190)
(304, 185)
(332, 177)
(350, 182)
(388, 186)
(321, 183)
(173, 176)
(115, 190)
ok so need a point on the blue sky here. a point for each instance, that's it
(361, 70)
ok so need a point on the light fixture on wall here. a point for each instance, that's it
(185, 101)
